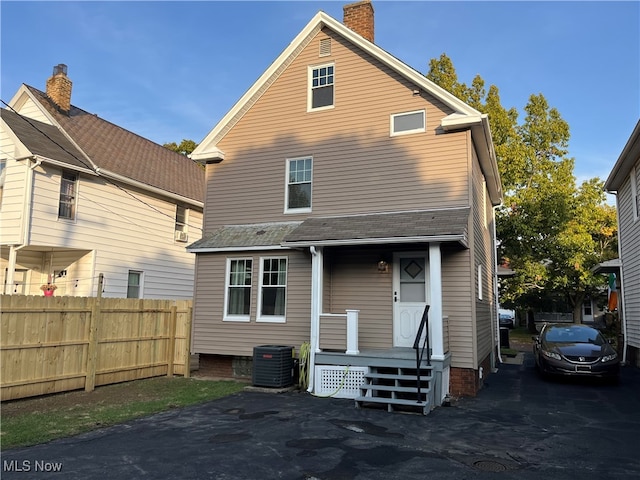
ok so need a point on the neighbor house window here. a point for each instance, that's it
(134, 284)
(298, 193)
(635, 198)
(321, 82)
(408, 122)
(181, 224)
(480, 282)
(238, 289)
(68, 187)
(273, 289)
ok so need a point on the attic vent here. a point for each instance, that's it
(325, 47)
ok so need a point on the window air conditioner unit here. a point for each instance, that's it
(181, 236)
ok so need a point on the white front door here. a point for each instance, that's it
(410, 295)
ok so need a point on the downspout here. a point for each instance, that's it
(26, 223)
(495, 284)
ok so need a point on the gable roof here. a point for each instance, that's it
(629, 156)
(463, 116)
(44, 140)
(122, 155)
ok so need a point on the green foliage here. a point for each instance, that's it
(551, 231)
(185, 147)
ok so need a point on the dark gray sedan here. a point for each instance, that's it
(576, 350)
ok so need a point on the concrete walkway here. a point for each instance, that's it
(517, 427)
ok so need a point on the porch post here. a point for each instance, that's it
(317, 265)
(435, 310)
(352, 332)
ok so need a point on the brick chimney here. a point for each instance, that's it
(59, 87)
(359, 18)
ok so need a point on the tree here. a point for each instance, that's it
(550, 230)
(185, 147)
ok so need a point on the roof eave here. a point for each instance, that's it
(626, 160)
(206, 147)
(459, 238)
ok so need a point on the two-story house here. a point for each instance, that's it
(81, 197)
(346, 192)
(624, 182)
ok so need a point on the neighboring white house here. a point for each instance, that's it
(624, 182)
(80, 196)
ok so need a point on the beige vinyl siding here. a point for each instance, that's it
(357, 284)
(212, 335)
(357, 166)
(629, 238)
(457, 291)
(483, 256)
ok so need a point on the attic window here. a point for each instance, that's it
(408, 122)
(325, 47)
(321, 82)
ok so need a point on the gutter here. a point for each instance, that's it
(495, 283)
(622, 297)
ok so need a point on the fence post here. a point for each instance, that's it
(171, 354)
(92, 351)
(187, 343)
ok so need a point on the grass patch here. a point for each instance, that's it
(38, 420)
(521, 334)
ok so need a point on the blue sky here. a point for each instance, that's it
(171, 70)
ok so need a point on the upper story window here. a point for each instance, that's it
(181, 224)
(321, 82)
(408, 122)
(68, 189)
(298, 192)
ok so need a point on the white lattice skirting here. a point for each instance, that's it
(339, 381)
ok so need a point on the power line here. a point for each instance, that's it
(92, 168)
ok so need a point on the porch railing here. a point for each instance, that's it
(424, 328)
(344, 326)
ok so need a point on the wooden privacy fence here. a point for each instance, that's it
(55, 344)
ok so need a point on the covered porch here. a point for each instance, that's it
(372, 277)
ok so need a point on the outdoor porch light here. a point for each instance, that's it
(383, 266)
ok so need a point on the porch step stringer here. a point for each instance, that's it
(396, 388)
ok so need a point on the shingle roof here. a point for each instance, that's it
(44, 139)
(122, 152)
(242, 236)
(393, 227)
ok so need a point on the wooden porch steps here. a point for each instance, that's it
(397, 389)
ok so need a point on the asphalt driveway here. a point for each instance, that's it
(517, 427)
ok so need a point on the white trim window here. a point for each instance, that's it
(407, 123)
(321, 87)
(134, 284)
(480, 282)
(272, 296)
(298, 188)
(635, 198)
(68, 193)
(237, 297)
